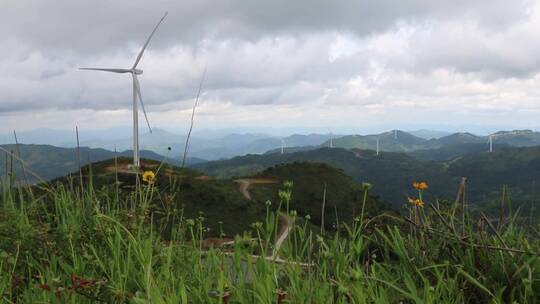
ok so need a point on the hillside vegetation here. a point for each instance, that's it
(222, 200)
(48, 162)
(126, 237)
(315, 183)
(392, 173)
(400, 141)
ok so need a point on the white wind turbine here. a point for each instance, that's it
(331, 138)
(283, 146)
(378, 140)
(490, 141)
(136, 93)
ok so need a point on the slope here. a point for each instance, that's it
(50, 161)
(392, 173)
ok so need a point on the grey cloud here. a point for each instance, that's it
(267, 52)
(52, 72)
(94, 26)
(512, 52)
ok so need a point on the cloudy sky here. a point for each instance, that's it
(348, 65)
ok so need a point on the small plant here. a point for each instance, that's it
(61, 245)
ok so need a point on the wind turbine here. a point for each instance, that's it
(283, 146)
(331, 138)
(378, 140)
(490, 141)
(137, 97)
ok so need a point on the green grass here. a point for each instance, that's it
(66, 244)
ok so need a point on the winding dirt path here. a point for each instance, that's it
(246, 183)
(285, 222)
(286, 225)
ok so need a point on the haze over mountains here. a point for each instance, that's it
(400, 141)
(221, 145)
(403, 157)
(204, 145)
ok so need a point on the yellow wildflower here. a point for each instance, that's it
(420, 185)
(416, 202)
(149, 177)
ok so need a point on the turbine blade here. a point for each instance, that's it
(138, 90)
(107, 70)
(148, 41)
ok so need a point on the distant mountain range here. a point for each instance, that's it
(392, 173)
(438, 149)
(205, 146)
(393, 141)
(216, 145)
(65, 138)
(400, 141)
(49, 162)
(429, 134)
(441, 162)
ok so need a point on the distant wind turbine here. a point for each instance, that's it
(378, 140)
(331, 138)
(283, 146)
(490, 141)
(136, 94)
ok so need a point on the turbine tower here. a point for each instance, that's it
(378, 140)
(331, 138)
(283, 146)
(490, 136)
(137, 97)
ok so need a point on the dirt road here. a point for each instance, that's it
(246, 183)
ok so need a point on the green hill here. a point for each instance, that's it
(49, 162)
(177, 193)
(292, 149)
(455, 139)
(343, 197)
(392, 173)
(389, 141)
(517, 138)
(187, 193)
(519, 168)
(452, 151)
(400, 141)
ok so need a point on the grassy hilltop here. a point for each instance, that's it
(187, 193)
(122, 237)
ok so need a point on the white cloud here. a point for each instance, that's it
(281, 64)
